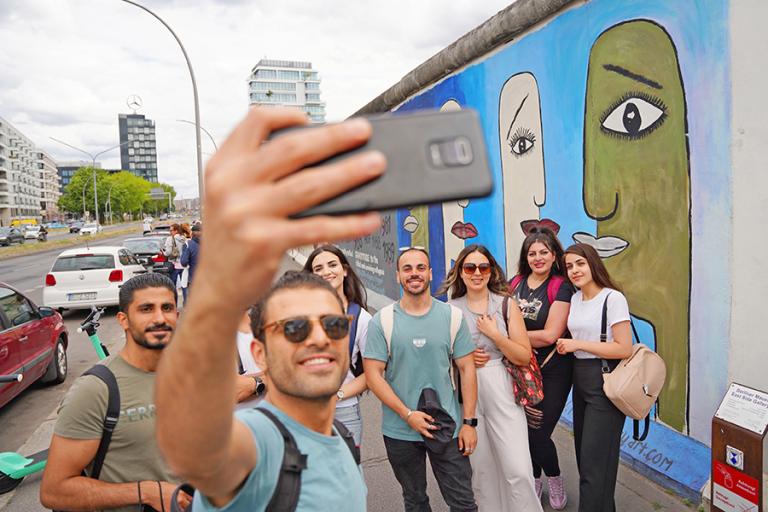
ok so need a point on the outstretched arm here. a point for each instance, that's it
(251, 190)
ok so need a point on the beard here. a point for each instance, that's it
(142, 337)
(317, 388)
(406, 288)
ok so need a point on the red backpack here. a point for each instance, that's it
(552, 286)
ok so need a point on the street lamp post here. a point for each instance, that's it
(194, 93)
(85, 184)
(206, 132)
(109, 202)
(93, 169)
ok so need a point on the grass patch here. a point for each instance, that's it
(24, 249)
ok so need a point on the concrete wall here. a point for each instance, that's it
(612, 121)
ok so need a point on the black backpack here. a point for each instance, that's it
(285, 498)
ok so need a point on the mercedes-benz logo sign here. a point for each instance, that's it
(134, 102)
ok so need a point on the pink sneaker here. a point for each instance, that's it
(539, 487)
(557, 495)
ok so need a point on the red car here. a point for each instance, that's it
(33, 342)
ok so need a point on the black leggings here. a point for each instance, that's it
(557, 376)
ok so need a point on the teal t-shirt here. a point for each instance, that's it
(419, 358)
(331, 481)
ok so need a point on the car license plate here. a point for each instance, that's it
(81, 296)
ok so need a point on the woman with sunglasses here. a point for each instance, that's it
(597, 423)
(328, 262)
(502, 476)
(544, 297)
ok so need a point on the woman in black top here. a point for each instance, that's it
(544, 297)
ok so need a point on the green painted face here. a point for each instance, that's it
(637, 186)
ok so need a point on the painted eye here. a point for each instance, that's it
(522, 141)
(634, 117)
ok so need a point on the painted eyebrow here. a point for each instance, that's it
(634, 76)
(516, 114)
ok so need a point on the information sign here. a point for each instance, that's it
(732, 490)
(745, 407)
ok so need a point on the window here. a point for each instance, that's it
(126, 258)
(288, 75)
(17, 309)
(312, 86)
(274, 97)
(314, 97)
(80, 262)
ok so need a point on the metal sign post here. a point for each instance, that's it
(739, 430)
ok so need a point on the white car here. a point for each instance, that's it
(31, 232)
(85, 277)
(90, 229)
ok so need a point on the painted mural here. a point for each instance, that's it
(628, 109)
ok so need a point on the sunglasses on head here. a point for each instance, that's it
(470, 268)
(296, 329)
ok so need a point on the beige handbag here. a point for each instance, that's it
(634, 385)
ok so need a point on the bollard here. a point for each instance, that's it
(738, 451)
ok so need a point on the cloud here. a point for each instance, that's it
(68, 67)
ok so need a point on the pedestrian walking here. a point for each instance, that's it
(597, 423)
(172, 249)
(502, 477)
(146, 226)
(189, 257)
(330, 263)
(299, 325)
(411, 348)
(128, 471)
(543, 294)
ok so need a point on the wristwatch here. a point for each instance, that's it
(260, 387)
(340, 394)
(472, 422)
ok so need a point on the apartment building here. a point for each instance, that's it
(50, 190)
(20, 183)
(289, 83)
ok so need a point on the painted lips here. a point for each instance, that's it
(606, 246)
(464, 231)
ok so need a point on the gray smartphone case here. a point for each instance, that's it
(415, 144)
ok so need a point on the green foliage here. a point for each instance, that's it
(126, 192)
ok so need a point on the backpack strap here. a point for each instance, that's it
(349, 440)
(514, 283)
(288, 487)
(553, 286)
(456, 316)
(505, 311)
(387, 317)
(110, 418)
(356, 367)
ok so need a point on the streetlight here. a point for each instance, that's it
(206, 132)
(194, 93)
(93, 169)
(109, 202)
(85, 184)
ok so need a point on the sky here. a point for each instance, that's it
(70, 65)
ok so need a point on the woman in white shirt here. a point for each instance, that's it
(597, 423)
(328, 262)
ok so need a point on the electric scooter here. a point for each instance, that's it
(13, 466)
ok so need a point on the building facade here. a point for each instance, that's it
(68, 169)
(140, 154)
(20, 184)
(50, 188)
(287, 82)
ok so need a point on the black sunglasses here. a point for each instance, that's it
(296, 329)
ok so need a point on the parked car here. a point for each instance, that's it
(149, 251)
(31, 232)
(33, 342)
(91, 229)
(11, 235)
(160, 230)
(80, 278)
(75, 227)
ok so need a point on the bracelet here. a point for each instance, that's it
(138, 488)
(408, 415)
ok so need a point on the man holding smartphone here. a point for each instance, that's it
(410, 351)
(251, 190)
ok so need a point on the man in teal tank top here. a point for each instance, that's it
(420, 357)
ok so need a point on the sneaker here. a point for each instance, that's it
(557, 495)
(539, 487)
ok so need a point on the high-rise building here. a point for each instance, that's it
(287, 82)
(50, 190)
(20, 184)
(68, 169)
(140, 155)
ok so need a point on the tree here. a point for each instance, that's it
(72, 198)
(159, 204)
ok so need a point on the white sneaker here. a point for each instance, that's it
(558, 498)
(539, 487)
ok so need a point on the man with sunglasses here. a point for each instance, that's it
(252, 189)
(417, 353)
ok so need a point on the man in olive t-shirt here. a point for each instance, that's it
(133, 471)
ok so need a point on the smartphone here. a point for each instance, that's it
(432, 157)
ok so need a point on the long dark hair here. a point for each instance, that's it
(600, 274)
(455, 285)
(353, 287)
(547, 237)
